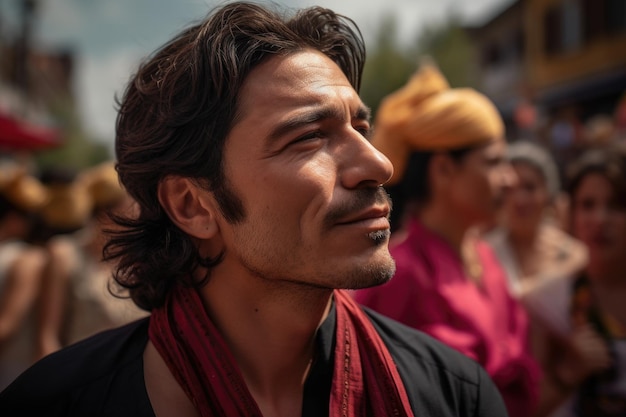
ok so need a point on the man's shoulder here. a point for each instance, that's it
(98, 372)
(438, 379)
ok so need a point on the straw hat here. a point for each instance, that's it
(22, 189)
(103, 185)
(69, 206)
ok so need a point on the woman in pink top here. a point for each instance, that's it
(447, 146)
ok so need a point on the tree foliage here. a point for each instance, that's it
(78, 150)
(389, 65)
(450, 47)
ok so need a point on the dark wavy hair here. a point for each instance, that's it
(175, 115)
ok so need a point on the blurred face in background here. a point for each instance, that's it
(526, 200)
(15, 225)
(479, 183)
(598, 221)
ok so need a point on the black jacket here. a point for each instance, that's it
(103, 376)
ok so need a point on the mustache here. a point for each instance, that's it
(362, 199)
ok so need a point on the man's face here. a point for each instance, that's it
(480, 180)
(308, 178)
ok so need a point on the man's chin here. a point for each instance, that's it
(372, 275)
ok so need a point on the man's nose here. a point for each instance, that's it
(366, 165)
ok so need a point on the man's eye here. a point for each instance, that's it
(309, 136)
(365, 131)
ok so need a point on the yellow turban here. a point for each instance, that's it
(22, 189)
(427, 115)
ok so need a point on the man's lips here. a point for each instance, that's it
(364, 205)
(375, 216)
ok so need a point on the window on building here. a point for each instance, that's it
(616, 16)
(572, 25)
(519, 43)
(595, 22)
(552, 30)
(492, 55)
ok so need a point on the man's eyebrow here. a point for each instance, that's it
(322, 113)
(363, 113)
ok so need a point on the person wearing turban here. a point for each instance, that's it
(447, 146)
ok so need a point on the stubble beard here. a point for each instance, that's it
(375, 272)
(362, 275)
(369, 276)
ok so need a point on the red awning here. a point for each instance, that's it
(18, 134)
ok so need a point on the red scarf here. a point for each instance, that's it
(365, 380)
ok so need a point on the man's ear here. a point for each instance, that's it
(189, 206)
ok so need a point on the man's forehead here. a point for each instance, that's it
(288, 65)
(288, 76)
(302, 79)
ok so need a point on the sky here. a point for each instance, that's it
(110, 37)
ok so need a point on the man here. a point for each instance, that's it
(447, 146)
(244, 142)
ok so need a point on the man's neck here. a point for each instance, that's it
(270, 330)
(271, 333)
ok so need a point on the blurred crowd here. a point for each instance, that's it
(569, 131)
(54, 287)
(510, 249)
(529, 280)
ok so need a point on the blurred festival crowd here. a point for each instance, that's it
(510, 248)
(532, 286)
(54, 288)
